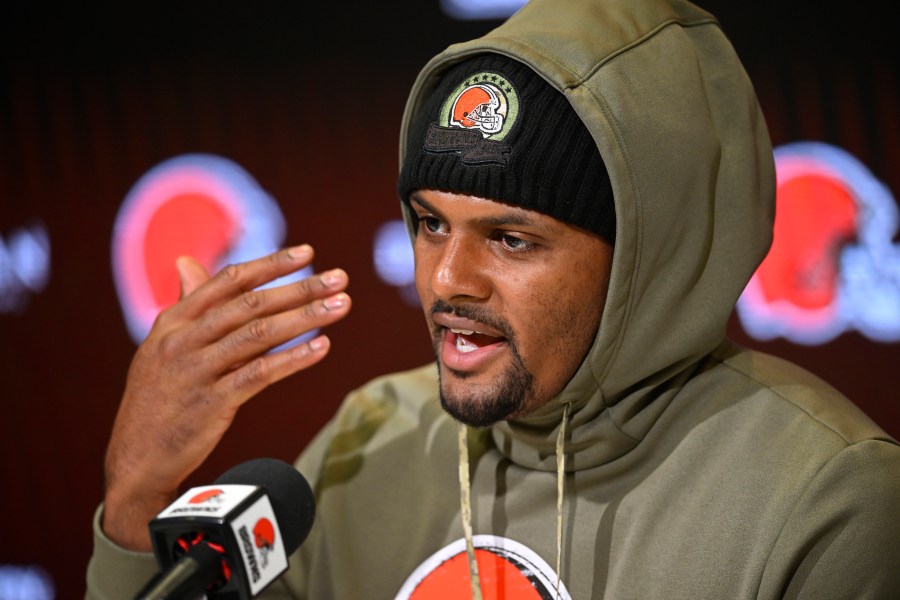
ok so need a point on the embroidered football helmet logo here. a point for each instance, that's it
(479, 106)
(474, 118)
(486, 101)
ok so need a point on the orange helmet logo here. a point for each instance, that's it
(479, 107)
(486, 102)
(507, 569)
(833, 265)
(206, 496)
(264, 533)
(264, 537)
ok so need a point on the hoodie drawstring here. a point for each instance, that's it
(560, 486)
(465, 500)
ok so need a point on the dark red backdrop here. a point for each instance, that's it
(308, 100)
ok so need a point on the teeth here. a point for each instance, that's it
(463, 345)
(462, 331)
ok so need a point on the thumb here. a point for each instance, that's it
(191, 274)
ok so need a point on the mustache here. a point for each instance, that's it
(475, 313)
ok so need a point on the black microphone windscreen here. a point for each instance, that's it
(292, 499)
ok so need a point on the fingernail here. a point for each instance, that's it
(300, 252)
(318, 343)
(333, 278)
(336, 301)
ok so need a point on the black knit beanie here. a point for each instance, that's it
(493, 128)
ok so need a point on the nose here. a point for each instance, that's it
(459, 272)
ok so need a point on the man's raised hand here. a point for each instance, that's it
(204, 357)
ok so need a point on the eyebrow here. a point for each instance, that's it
(513, 216)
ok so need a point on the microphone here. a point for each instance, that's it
(233, 538)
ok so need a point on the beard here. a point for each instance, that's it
(505, 398)
(483, 408)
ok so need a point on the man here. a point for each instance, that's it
(588, 188)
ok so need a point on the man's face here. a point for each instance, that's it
(513, 300)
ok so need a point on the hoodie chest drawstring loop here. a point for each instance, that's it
(465, 500)
(560, 486)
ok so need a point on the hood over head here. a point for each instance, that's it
(674, 116)
(493, 128)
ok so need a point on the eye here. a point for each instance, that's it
(429, 223)
(513, 243)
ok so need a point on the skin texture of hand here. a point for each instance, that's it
(205, 357)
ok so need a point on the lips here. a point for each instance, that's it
(469, 350)
(468, 340)
(465, 343)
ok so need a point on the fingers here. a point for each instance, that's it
(191, 274)
(204, 357)
(257, 320)
(253, 377)
(237, 278)
(257, 336)
(229, 344)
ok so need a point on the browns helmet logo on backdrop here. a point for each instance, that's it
(474, 120)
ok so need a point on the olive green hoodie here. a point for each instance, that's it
(693, 468)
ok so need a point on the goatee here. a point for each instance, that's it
(508, 395)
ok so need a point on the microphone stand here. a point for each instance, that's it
(187, 579)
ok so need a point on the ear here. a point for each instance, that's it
(191, 274)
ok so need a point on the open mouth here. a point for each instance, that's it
(468, 340)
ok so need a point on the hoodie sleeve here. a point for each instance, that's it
(113, 572)
(843, 538)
